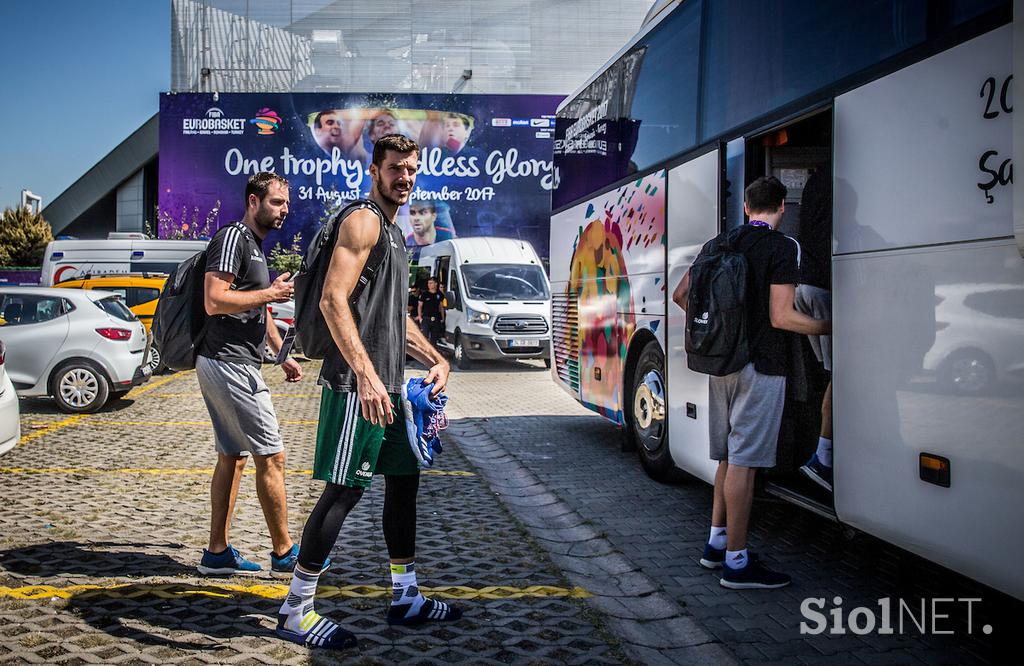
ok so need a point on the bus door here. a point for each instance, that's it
(692, 218)
(799, 154)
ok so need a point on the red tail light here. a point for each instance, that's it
(115, 333)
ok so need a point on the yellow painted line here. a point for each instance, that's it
(169, 471)
(197, 394)
(53, 427)
(157, 383)
(75, 418)
(207, 424)
(273, 591)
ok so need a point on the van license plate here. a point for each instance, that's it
(522, 343)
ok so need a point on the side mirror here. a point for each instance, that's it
(451, 300)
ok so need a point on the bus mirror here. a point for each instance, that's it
(451, 300)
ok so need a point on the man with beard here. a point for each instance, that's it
(361, 429)
(423, 220)
(237, 290)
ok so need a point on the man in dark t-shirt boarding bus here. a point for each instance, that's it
(745, 407)
(237, 289)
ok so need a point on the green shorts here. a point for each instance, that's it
(349, 449)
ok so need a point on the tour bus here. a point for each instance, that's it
(120, 252)
(905, 111)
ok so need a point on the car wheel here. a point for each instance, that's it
(156, 361)
(461, 360)
(647, 414)
(79, 388)
(969, 372)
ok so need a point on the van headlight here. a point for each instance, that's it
(477, 317)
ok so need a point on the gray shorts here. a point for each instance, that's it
(239, 404)
(817, 302)
(745, 412)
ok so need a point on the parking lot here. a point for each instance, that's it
(534, 520)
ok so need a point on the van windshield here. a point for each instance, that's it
(513, 282)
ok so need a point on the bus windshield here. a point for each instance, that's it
(512, 282)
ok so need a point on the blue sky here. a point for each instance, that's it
(78, 76)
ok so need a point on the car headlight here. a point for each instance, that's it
(477, 317)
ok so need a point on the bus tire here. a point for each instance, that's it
(647, 410)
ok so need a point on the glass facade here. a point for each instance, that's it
(511, 46)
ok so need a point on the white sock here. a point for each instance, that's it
(736, 559)
(824, 451)
(717, 538)
(404, 588)
(298, 605)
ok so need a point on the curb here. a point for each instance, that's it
(653, 627)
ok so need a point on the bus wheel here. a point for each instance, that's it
(647, 414)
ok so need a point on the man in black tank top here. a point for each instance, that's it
(361, 429)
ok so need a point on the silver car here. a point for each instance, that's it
(83, 347)
(10, 414)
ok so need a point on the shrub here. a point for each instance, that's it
(23, 237)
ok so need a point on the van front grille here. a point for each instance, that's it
(520, 325)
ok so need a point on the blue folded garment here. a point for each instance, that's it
(424, 419)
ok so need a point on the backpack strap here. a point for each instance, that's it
(377, 254)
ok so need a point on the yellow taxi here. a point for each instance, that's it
(139, 291)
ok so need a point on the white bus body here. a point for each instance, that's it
(71, 259)
(927, 273)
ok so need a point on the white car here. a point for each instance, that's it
(283, 315)
(82, 347)
(10, 411)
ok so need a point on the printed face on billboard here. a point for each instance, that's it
(475, 174)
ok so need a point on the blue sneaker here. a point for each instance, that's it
(712, 557)
(228, 563)
(424, 419)
(817, 472)
(754, 576)
(282, 567)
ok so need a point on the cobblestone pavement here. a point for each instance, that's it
(516, 412)
(104, 517)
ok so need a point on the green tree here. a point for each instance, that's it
(287, 259)
(23, 237)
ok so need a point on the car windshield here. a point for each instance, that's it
(514, 282)
(113, 306)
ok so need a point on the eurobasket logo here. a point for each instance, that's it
(266, 121)
(213, 122)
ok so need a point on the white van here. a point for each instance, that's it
(498, 298)
(118, 253)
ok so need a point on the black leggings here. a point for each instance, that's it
(324, 523)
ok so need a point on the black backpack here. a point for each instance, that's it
(717, 330)
(180, 320)
(311, 331)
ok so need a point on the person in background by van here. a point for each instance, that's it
(430, 314)
(237, 290)
(814, 299)
(745, 407)
(414, 302)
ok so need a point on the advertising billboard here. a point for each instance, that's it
(485, 164)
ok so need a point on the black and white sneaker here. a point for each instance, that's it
(754, 576)
(430, 611)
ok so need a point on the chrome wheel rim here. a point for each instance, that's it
(154, 358)
(969, 374)
(79, 387)
(649, 410)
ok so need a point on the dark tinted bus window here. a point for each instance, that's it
(762, 55)
(660, 88)
(962, 11)
(640, 111)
